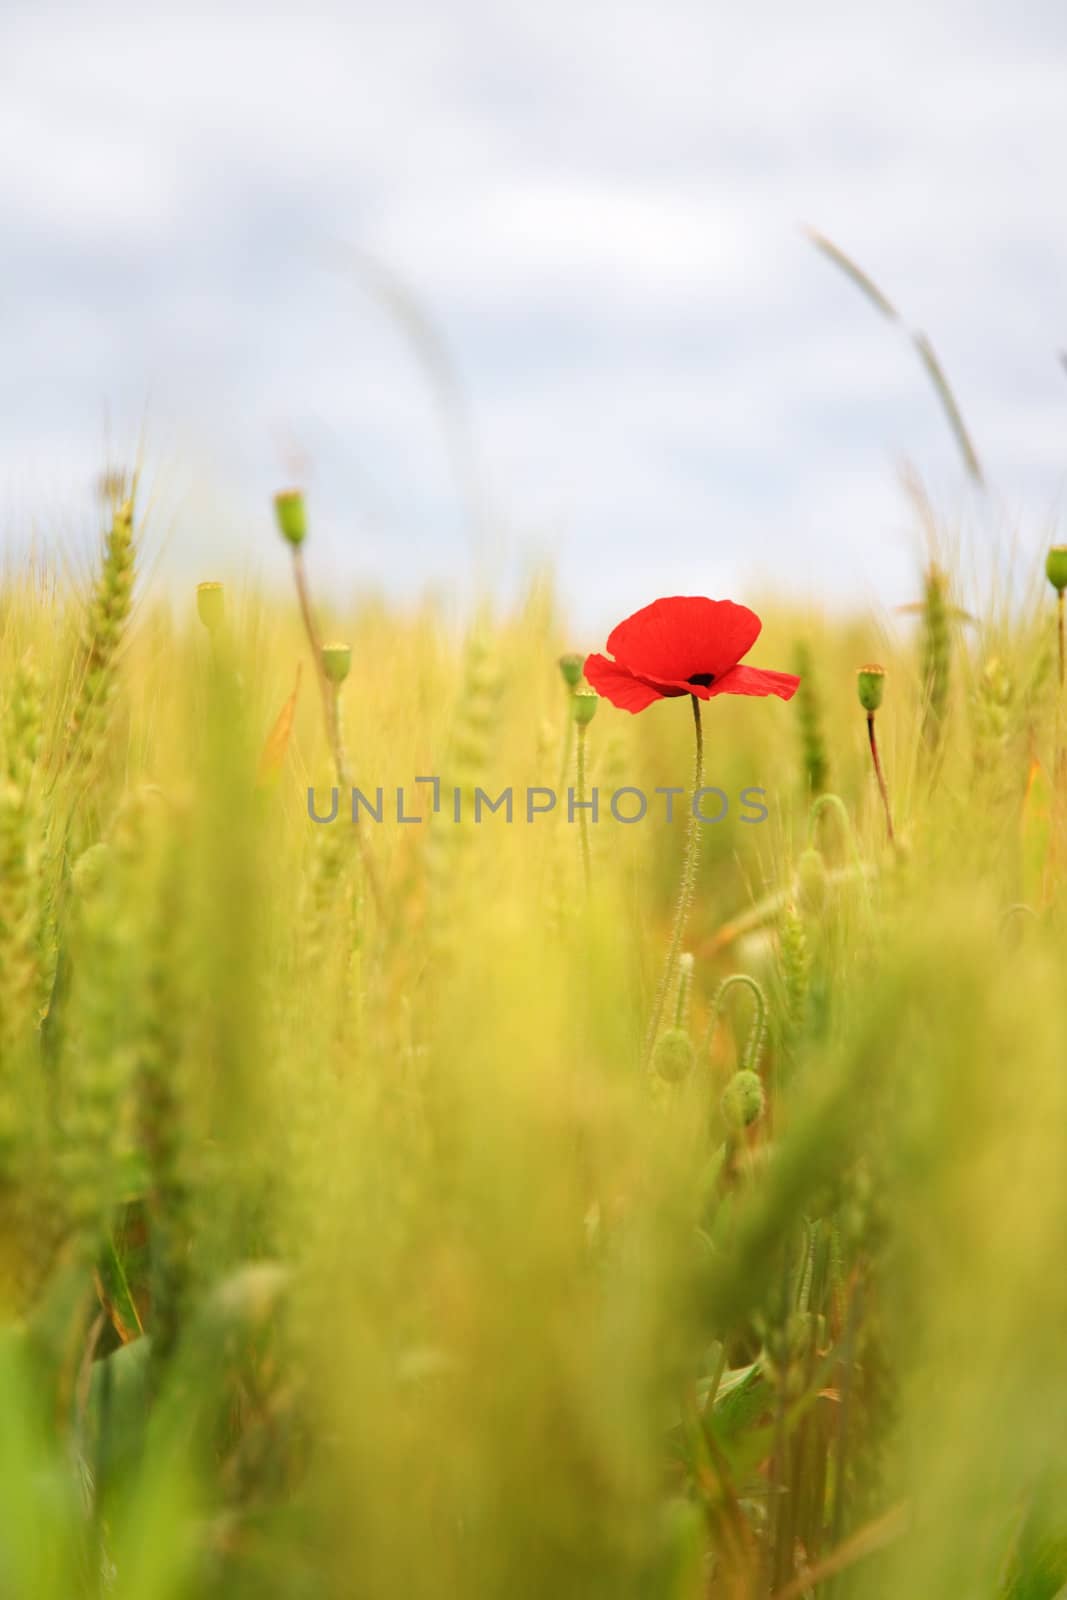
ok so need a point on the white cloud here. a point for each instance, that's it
(598, 205)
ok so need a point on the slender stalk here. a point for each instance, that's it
(583, 816)
(1058, 760)
(879, 774)
(844, 1418)
(685, 984)
(336, 736)
(311, 629)
(565, 758)
(777, 1555)
(834, 802)
(749, 1056)
(874, 1535)
(332, 714)
(685, 893)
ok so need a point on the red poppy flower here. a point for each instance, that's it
(683, 645)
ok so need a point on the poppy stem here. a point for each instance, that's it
(331, 710)
(565, 758)
(879, 774)
(685, 892)
(583, 820)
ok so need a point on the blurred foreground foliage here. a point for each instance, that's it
(345, 1246)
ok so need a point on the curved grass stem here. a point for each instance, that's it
(833, 802)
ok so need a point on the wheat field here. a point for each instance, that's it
(356, 1239)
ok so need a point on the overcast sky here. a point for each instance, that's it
(597, 209)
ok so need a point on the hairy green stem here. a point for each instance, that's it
(312, 631)
(583, 819)
(332, 714)
(685, 984)
(685, 891)
(565, 758)
(336, 736)
(749, 1057)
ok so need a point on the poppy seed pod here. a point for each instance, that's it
(673, 1056)
(211, 605)
(291, 513)
(870, 681)
(742, 1100)
(584, 706)
(1056, 567)
(336, 661)
(571, 668)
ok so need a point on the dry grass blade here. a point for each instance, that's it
(277, 741)
(866, 285)
(949, 405)
(865, 1542)
(932, 366)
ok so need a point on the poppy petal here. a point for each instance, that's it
(683, 636)
(618, 685)
(756, 680)
(675, 686)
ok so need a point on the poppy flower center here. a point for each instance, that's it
(703, 680)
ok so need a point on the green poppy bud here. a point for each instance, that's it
(336, 661)
(1056, 567)
(742, 1101)
(211, 605)
(584, 706)
(673, 1057)
(291, 513)
(571, 668)
(871, 684)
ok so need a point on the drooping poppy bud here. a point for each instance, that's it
(870, 681)
(1056, 567)
(742, 1100)
(211, 605)
(291, 513)
(336, 661)
(673, 1057)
